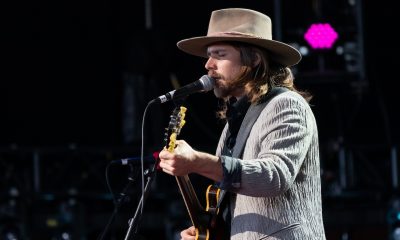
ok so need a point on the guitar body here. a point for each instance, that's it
(208, 222)
(217, 224)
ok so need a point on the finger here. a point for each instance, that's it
(166, 168)
(165, 155)
(167, 172)
(192, 230)
(188, 234)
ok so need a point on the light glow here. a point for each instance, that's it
(321, 36)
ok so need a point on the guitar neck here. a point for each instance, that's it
(196, 212)
(192, 203)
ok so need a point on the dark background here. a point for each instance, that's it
(76, 78)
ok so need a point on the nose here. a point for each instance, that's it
(210, 64)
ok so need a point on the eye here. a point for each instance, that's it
(217, 54)
(221, 54)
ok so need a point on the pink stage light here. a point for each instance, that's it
(321, 36)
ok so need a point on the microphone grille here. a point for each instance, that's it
(207, 82)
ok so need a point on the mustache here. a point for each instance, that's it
(214, 75)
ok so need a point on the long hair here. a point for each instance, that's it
(257, 80)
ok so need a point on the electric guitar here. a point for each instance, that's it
(207, 221)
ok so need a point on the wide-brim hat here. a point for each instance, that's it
(241, 25)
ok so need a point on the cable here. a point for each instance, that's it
(142, 157)
(116, 204)
(108, 183)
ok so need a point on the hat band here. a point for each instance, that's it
(233, 34)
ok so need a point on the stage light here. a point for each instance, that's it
(304, 51)
(321, 36)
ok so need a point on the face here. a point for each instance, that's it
(224, 64)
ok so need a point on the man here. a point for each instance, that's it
(268, 155)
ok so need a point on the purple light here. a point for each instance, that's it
(321, 35)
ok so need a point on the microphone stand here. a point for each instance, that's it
(119, 202)
(134, 222)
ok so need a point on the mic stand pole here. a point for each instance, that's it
(119, 202)
(134, 222)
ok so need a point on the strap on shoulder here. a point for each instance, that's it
(250, 118)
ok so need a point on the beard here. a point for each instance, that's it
(224, 89)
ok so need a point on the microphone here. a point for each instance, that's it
(204, 84)
(136, 160)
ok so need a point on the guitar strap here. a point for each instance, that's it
(251, 116)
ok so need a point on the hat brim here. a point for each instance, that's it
(279, 52)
